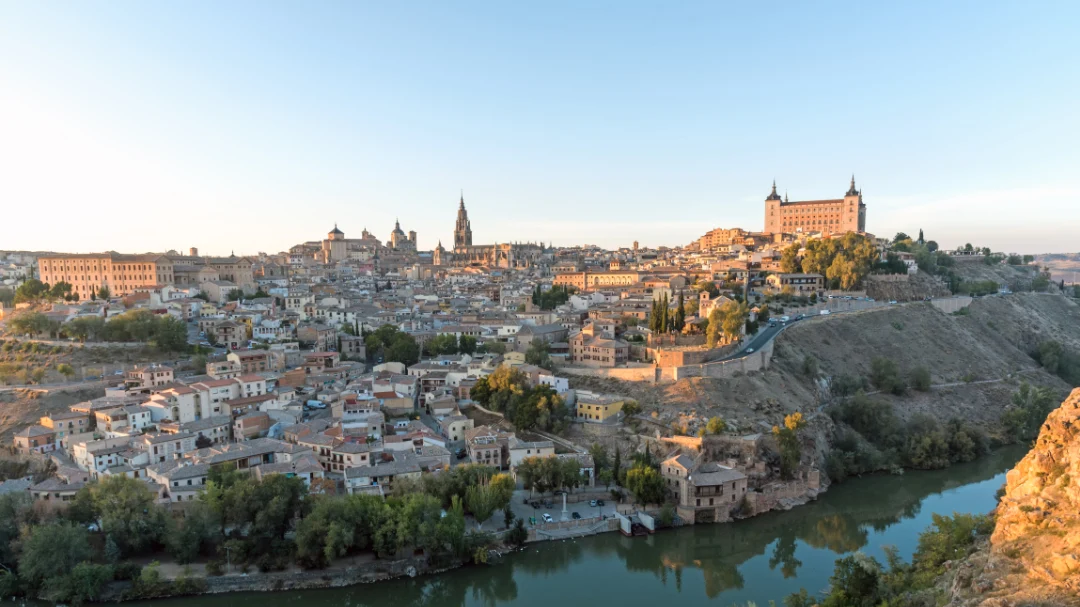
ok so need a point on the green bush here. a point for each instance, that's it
(920, 379)
(885, 376)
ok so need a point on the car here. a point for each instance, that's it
(560, 492)
(892, 301)
(749, 350)
(600, 503)
(547, 518)
(534, 504)
(785, 319)
(592, 503)
(575, 515)
(548, 504)
(462, 454)
(825, 312)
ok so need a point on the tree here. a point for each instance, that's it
(52, 551)
(508, 516)
(85, 328)
(715, 328)
(495, 347)
(788, 440)
(127, 512)
(104, 294)
(234, 295)
(446, 343)
(716, 425)
(518, 534)
(789, 259)
(30, 291)
(170, 335)
(466, 344)
(538, 355)
(646, 484)
(680, 314)
(616, 467)
(734, 318)
(482, 501)
(900, 236)
(194, 535)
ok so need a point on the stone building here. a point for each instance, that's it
(122, 274)
(839, 215)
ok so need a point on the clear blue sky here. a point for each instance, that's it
(255, 125)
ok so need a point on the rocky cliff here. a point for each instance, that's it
(1039, 516)
(1033, 555)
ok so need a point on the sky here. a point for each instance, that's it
(253, 126)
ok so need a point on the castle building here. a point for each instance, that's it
(839, 215)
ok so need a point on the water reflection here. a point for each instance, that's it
(754, 559)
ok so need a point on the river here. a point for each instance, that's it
(760, 559)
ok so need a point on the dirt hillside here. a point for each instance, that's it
(975, 359)
(21, 408)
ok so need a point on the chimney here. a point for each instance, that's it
(193, 251)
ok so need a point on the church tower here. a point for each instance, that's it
(463, 228)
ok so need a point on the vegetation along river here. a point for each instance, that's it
(760, 559)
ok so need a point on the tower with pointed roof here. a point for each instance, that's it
(463, 228)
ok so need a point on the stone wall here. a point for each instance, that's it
(645, 373)
(952, 304)
(753, 362)
(374, 571)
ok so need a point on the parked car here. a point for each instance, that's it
(547, 518)
(825, 312)
(548, 504)
(592, 503)
(600, 503)
(535, 504)
(575, 515)
(462, 454)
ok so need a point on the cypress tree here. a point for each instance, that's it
(680, 314)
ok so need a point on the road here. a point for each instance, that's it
(836, 307)
(524, 511)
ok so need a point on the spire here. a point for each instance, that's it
(773, 195)
(785, 196)
(851, 190)
(461, 205)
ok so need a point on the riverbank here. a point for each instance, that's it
(759, 559)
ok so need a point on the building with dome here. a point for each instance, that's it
(833, 216)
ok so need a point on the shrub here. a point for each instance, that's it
(920, 379)
(885, 376)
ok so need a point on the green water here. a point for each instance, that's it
(760, 559)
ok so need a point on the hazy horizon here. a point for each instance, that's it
(255, 126)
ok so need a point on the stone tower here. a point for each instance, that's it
(463, 228)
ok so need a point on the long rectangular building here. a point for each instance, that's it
(840, 215)
(88, 272)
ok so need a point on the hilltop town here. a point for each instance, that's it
(522, 391)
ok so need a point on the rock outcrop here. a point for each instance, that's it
(1038, 519)
(1033, 555)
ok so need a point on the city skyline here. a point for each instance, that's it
(139, 127)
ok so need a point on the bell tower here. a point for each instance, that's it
(463, 227)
